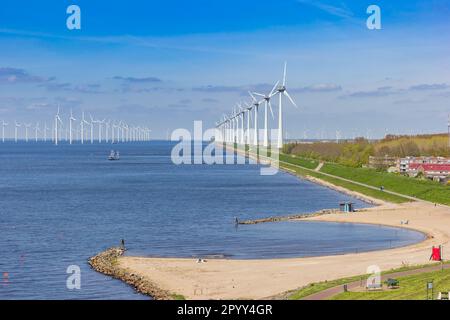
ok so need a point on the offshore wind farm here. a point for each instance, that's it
(82, 131)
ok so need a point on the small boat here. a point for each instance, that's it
(114, 155)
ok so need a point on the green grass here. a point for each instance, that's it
(422, 189)
(412, 287)
(320, 286)
(348, 185)
(178, 297)
(307, 163)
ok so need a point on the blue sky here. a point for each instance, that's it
(168, 63)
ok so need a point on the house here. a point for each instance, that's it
(404, 163)
(435, 171)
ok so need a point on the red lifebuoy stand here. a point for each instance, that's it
(436, 253)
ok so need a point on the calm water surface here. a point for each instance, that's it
(61, 205)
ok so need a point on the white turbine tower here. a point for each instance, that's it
(71, 119)
(4, 124)
(113, 133)
(127, 132)
(36, 130)
(242, 130)
(57, 122)
(281, 90)
(239, 124)
(256, 104)
(27, 126)
(82, 123)
(107, 127)
(267, 107)
(248, 110)
(45, 131)
(15, 130)
(100, 123)
(122, 131)
(92, 128)
(235, 125)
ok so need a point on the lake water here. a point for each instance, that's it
(61, 205)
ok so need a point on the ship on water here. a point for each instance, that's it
(114, 155)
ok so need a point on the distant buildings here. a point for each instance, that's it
(434, 168)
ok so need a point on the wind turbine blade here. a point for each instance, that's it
(270, 108)
(290, 99)
(273, 89)
(284, 74)
(258, 94)
(251, 95)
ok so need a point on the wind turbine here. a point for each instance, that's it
(45, 131)
(239, 129)
(4, 124)
(92, 128)
(82, 122)
(233, 126)
(107, 127)
(267, 106)
(100, 130)
(248, 110)
(127, 132)
(36, 129)
(27, 126)
(57, 120)
(241, 116)
(281, 90)
(123, 128)
(71, 119)
(113, 133)
(15, 131)
(256, 104)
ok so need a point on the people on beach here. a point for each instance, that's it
(122, 243)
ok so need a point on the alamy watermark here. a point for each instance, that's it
(224, 146)
(74, 280)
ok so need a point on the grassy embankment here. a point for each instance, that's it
(412, 287)
(311, 164)
(409, 285)
(422, 189)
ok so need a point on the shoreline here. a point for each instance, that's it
(106, 262)
(265, 278)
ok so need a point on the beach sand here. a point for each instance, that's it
(259, 279)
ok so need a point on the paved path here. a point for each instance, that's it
(319, 166)
(331, 292)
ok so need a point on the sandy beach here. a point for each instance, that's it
(259, 279)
